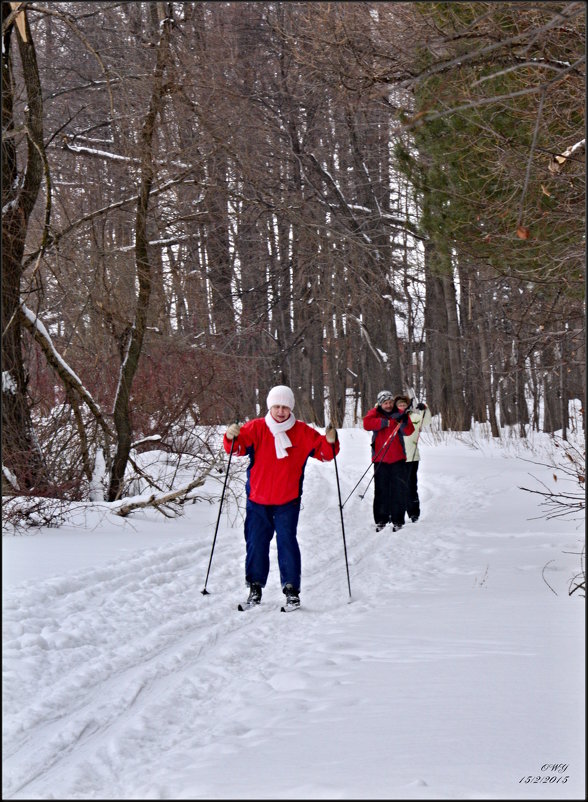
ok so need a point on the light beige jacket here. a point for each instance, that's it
(419, 418)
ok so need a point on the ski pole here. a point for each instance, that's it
(342, 523)
(388, 441)
(385, 446)
(204, 591)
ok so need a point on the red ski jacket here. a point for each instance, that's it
(276, 481)
(383, 427)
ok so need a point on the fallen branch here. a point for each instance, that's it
(158, 501)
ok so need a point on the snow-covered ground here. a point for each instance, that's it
(454, 671)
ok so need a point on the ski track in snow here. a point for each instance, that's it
(129, 651)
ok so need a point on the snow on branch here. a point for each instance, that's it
(102, 154)
(69, 145)
(559, 159)
(160, 501)
(68, 376)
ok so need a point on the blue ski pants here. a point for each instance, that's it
(261, 521)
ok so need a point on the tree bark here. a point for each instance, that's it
(20, 190)
(121, 414)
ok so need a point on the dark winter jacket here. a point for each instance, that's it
(383, 424)
(276, 481)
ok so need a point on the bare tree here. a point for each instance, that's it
(344, 197)
(22, 140)
(133, 347)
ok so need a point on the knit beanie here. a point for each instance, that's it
(280, 396)
(384, 395)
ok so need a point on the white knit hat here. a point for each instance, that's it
(280, 396)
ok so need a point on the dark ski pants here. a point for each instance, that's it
(390, 492)
(261, 520)
(413, 507)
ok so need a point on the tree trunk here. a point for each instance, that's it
(474, 399)
(458, 417)
(550, 367)
(121, 414)
(20, 453)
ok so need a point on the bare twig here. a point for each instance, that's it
(543, 575)
(531, 152)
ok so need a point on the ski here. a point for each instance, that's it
(288, 608)
(247, 606)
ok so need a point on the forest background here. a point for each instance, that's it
(201, 200)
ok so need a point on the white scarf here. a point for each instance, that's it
(279, 432)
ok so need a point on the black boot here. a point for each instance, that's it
(254, 593)
(292, 596)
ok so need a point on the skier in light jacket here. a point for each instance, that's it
(420, 416)
(278, 447)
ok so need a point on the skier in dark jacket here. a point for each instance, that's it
(278, 447)
(389, 421)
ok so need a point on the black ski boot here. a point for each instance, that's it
(254, 593)
(292, 598)
(254, 597)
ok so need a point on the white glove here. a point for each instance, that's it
(233, 431)
(331, 434)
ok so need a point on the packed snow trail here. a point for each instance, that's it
(123, 681)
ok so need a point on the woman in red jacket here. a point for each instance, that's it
(389, 421)
(278, 447)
